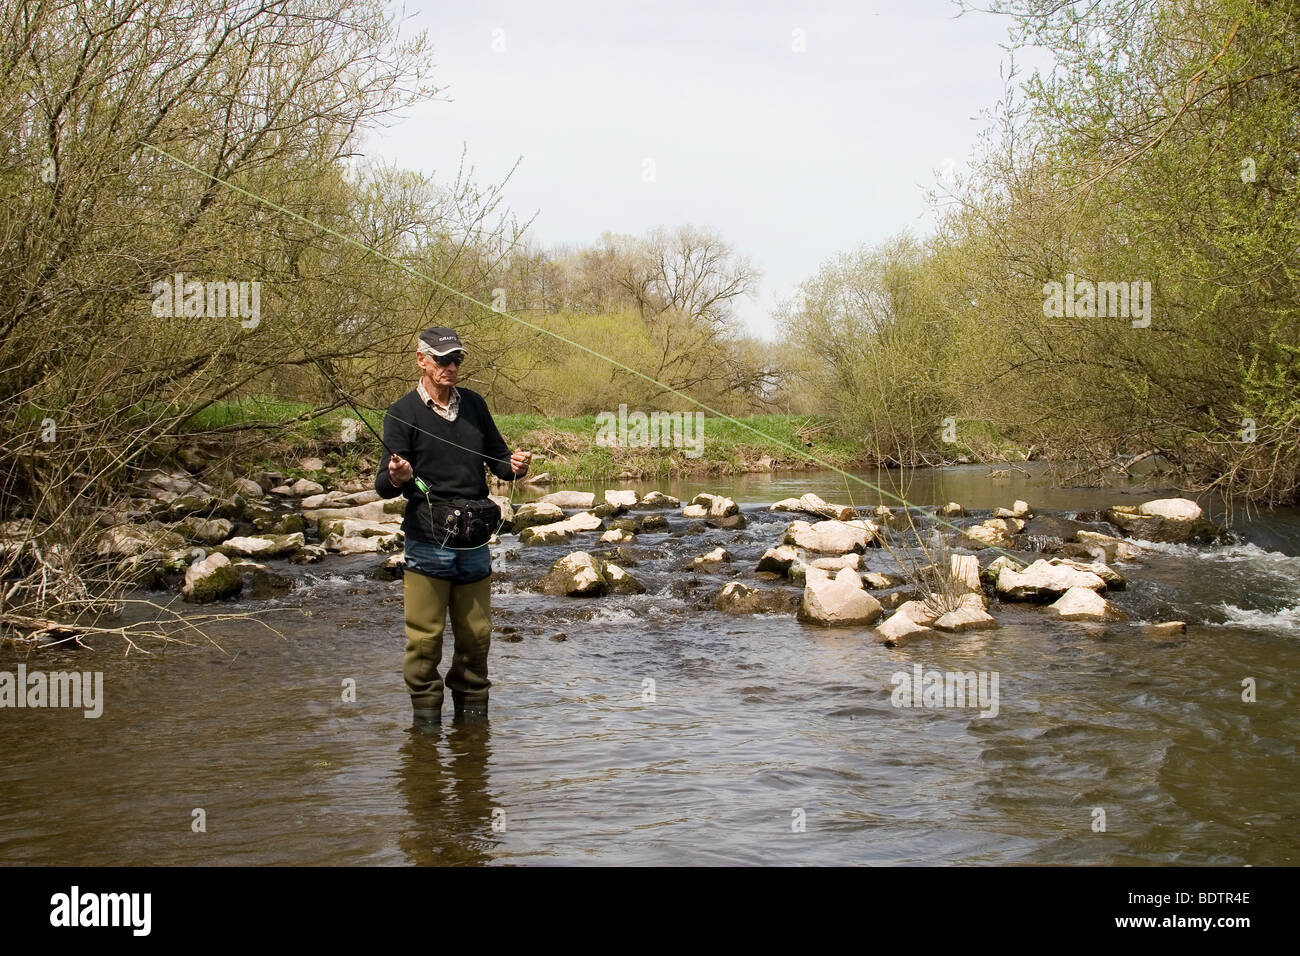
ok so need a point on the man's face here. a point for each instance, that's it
(441, 375)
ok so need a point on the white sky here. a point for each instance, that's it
(793, 157)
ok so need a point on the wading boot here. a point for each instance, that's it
(425, 600)
(471, 624)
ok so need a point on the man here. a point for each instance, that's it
(443, 435)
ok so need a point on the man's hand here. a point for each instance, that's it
(399, 470)
(519, 462)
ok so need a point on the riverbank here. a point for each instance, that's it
(277, 435)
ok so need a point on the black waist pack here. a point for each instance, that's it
(459, 522)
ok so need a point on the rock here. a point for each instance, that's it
(560, 530)
(304, 487)
(575, 575)
(835, 537)
(391, 570)
(131, 540)
(964, 571)
(716, 556)
(878, 581)
(851, 560)
(1006, 526)
(1085, 604)
(390, 510)
(899, 629)
(952, 510)
(535, 513)
(1103, 546)
(363, 545)
(328, 499)
(984, 536)
(269, 480)
(652, 523)
(1020, 508)
(311, 464)
(622, 498)
(969, 616)
(569, 499)
(194, 503)
(162, 486)
(248, 488)
(716, 506)
(1162, 529)
(778, 559)
(990, 574)
(265, 546)
(695, 511)
(657, 499)
(351, 528)
(814, 505)
(1114, 580)
(620, 582)
(208, 530)
(283, 491)
(922, 612)
(1177, 509)
(1165, 629)
(618, 536)
(837, 602)
(737, 598)
(1042, 581)
(261, 582)
(211, 579)
(727, 522)
(310, 554)
(542, 478)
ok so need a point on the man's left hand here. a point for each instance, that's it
(519, 462)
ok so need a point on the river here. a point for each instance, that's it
(759, 740)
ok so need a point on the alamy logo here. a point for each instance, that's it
(656, 430)
(175, 298)
(102, 909)
(1082, 298)
(57, 689)
(946, 689)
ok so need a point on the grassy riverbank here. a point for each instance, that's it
(566, 448)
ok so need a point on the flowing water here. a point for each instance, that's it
(662, 731)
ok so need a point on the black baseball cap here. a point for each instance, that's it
(440, 341)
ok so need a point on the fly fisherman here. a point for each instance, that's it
(438, 437)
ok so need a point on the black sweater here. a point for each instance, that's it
(430, 443)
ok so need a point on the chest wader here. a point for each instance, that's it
(427, 601)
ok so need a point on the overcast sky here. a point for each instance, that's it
(792, 156)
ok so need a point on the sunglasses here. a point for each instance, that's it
(451, 358)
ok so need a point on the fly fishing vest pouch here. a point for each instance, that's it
(458, 522)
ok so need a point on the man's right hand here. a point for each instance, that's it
(399, 470)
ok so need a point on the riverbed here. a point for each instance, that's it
(649, 729)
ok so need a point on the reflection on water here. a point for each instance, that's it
(442, 777)
(753, 723)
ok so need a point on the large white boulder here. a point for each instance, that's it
(840, 601)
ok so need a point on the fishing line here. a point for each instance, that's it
(939, 519)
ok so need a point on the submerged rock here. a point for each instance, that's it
(737, 598)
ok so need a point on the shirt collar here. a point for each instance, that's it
(426, 398)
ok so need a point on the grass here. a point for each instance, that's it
(563, 446)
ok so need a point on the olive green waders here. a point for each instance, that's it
(427, 601)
